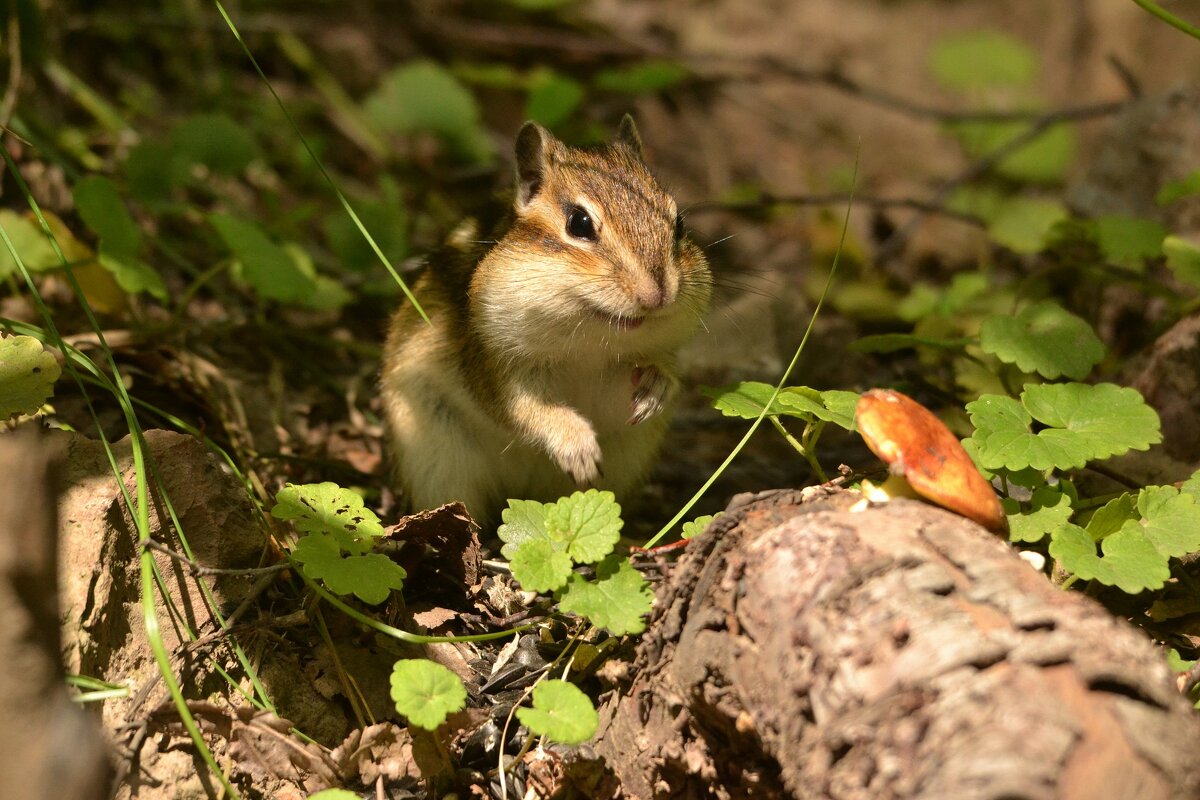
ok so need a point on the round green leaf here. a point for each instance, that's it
(1043, 338)
(588, 522)
(982, 60)
(1022, 224)
(561, 713)
(330, 509)
(553, 98)
(617, 599)
(27, 375)
(424, 96)
(426, 692)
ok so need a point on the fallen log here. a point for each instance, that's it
(805, 649)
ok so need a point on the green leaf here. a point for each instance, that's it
(617, 599)
(1048, 508)
(426, 692)
(1129, 240)
(523, 521)
(371, 577)
(745, 400)
(561, 713)
(891, 342)
(1022, 223)
(267, 267)
(216, 141)
(982, 60)
(27, 375)
(643, 78)
(553, 97)
(30, 242)
(334, 794)
(1042, 160)
(696, 526)
(1170, 520)
(1114, 514)
(541, 565)
(153, 169)
(422, 96)
(101, 208)
(328, 508)
(1183, 259)
(1129, 560)
(1083, 423)
(588, 522)
(386, 219)
(1192, 485)
(1174, 191)
(1043, 338)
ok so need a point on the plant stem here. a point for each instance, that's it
(1169, 18)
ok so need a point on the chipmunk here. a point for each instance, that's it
(550, 361)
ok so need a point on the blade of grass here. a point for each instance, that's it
(1169, 18)
(320, 166)
(653, 540)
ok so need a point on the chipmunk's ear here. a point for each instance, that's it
(533, 151)
(628, 134)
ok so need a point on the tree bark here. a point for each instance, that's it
(802, 648)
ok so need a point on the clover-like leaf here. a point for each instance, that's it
(829, 406)
(1130, 561)
(27, 375)
(1043, 338)
(422, 96)
(1083, 423)
(523, 521)
(216, 141)
(561, 712)
(334, 794)
(1183, 259)
(371, 577)
(102, 209)
(588, 522)
(696, 526)
(328, 508)
(1112, 516)
(267, 267)
(1129, 240)
(1192, 485)
(553, 97)
(541, 565)
(1170, 520)
(1048, 508)
(617, 599)
(426, 692)
(640, 78)
(744, 400)
(982, 59)
(1023, 223)
(29, 241)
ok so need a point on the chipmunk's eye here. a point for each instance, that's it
(579, 223)
(679, 227)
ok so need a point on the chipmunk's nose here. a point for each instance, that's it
(653, 292)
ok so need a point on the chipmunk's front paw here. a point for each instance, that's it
(578, 455)
(652, 390)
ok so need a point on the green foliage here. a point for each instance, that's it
(326, 508)
(334, 794)
(1129, 562)
(426, 692)
(982, 60)
(1048, 508)
(641, 78)
(1043, 160)
(1183, 259)
(1081, 423)
(545, 541)
(27, 375)
(746, 400)
(1023, 224)
(31, 244)
(1129, 241)
(617, 599)
(371, 577)
(214, 141)
(269, 269)
(1043, 338)
(102, 209)
(696, 526)
(1174, 191)
(561, 713)
(424, 97)
(553, 97)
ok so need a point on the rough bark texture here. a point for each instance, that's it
(802, 649)
(48, 746)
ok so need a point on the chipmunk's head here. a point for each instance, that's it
(597, 251)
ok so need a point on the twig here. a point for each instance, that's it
(766, 199)
(9, 104)
(197, 569)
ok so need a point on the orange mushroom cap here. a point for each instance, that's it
(919, 446)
